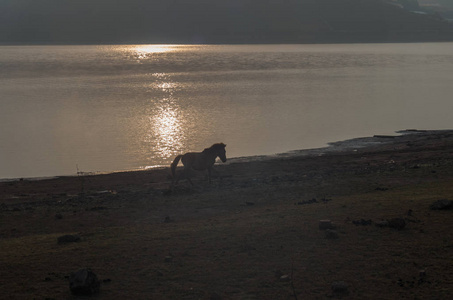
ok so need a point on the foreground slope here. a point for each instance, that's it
(252, 234)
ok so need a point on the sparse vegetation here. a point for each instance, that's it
(215, 246)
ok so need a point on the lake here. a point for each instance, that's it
(65, 109)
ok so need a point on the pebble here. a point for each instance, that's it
(326, 224)
(285, 278)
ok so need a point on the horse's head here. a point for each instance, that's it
(220, 151)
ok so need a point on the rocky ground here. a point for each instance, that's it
(354, 221)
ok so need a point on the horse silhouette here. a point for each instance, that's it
(199, 161)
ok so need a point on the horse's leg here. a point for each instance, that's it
(187, 174)
(179, 176)
(174, 181)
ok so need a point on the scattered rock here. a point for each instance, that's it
(331, 234)
(379, 188)
(68, 238)
(326, 224)
(339, 287)
(442, 204)
(168, 259)
(96, 208)
(307, 201)
(422, 273)
(84, 282)
(362, 222)
(397, 223)
(285, 278)
(383, 223)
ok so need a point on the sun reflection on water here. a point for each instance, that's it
(166, 125)
(167, 129)
(142, 52)
(149, 49)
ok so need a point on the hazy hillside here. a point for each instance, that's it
(215, 21)
(442, 7)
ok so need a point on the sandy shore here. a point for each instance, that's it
(252, 234)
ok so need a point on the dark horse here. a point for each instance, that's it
(199, 161)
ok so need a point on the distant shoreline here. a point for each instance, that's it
(327, 42)
(344, 146)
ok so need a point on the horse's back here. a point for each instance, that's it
(189, 158)
(196, 160)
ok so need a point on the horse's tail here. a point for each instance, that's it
(173, 166)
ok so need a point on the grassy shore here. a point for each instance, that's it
(252, 234)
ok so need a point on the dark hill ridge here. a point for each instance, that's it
(215, 21)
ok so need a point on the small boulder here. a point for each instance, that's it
(397, 223)
(307, 201)
(442, 204)
(382, 223)
(84, 282)
(362, 222)
(422, 273)
(68, 238)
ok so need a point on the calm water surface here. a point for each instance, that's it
(110, 108)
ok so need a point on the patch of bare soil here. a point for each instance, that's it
(252, 234)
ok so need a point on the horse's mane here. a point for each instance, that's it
(214, 148)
